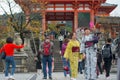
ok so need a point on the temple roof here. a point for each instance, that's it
(102, 7)
(107, 7)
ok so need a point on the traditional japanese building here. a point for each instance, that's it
(65, 10)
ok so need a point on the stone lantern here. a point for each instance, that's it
(20, 55)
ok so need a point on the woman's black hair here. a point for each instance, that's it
(9, 40)
(109, 40)
(86, 29)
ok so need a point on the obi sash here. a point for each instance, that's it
(75, 49)
(88, 44)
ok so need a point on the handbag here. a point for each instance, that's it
(3, 55)
(66, 68)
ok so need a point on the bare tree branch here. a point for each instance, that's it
(4, 10)
(13, 6)
(9, 4)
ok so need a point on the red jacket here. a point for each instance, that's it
(9, 48)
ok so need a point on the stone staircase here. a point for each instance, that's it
(114, 68)
(1, 65)
(58, 66)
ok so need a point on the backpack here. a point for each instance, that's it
(46, 48)
(106, 51)
(3, 55)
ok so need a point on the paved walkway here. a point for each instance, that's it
(56, 76)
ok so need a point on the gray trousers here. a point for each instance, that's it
(118, 69)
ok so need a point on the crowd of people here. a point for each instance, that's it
(81, 54)
(78, 54)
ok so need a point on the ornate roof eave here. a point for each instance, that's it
(26, 7)
(77, 1)
(106, 7)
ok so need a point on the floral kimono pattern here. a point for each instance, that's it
(73, 57)
(91, 59)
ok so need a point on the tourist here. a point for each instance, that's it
(65, 63)
(88, 48)
(8, 48)
(38, 63)
(47, 51)
(72, 54)
(107, 57)
(117, 50)
(60, 38)
(99, 62)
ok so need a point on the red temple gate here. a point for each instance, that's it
(65, 10)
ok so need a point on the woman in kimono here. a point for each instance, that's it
(72, 54)
(88, 47)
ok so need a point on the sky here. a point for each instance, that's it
(115, 12)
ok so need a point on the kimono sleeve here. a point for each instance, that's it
(67, 51)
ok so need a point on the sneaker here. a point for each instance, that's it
(11, 77)
(107, 78)
(68, 75)
(50, 78)
(73, 79)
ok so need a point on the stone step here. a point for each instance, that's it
(58, 70)
(114, 69)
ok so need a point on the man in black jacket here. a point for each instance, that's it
(107, 60)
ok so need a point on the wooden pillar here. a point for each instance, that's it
(73, 25)
(75, 20)
(44, 21)
(92, 15)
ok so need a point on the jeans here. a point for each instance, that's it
(66, 63)
(80, 66)
(9, 61)
(47, 60)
